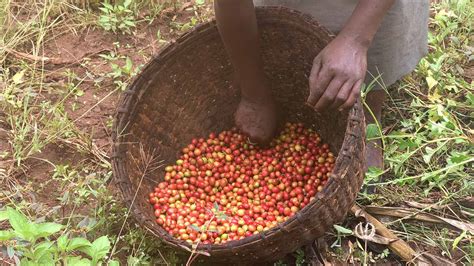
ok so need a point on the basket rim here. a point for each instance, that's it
(124, 111)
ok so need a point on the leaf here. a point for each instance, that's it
(372, 131)
(44, 250)
(342, 230)
(3, 215)
(457, 157)
(62, 242)
(222, 216)
(78, 242)
(458, 239)
(128, 65)
(47, 229)
(98, 250)
(431, 82)
(470, 98)
(373, 173)
(21, 225)
(6, 235)
(79, 92)
(129, 23)
(195, 228)
(77, 261)
(108, 6)
(26, 262)
(18, 77)
(429, 153)
(216, 206)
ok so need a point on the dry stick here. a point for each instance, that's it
(144, 173)
(52, 60)
(399, 247)
(194, 254)
(26, 56)
(159, 252)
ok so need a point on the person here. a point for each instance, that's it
(375, 38)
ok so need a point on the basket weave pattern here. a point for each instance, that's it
(187, 91)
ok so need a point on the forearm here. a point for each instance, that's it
(237, 25)
(365, 21)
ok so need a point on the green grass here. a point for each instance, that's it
(427, 129)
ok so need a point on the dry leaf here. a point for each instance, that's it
(405, 213)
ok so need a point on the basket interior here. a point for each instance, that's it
(188, 92)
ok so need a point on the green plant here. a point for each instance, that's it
(31, 120)
(428, 142)
(79, 186)
(30, 243)
(120, 73)
(117, 17)
(203, 230)
(431, 143)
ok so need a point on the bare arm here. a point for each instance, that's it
(365, 21)
(256, 114)
(237, 25)
(339, 70)
(337, 74)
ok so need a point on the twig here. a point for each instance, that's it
(194, 254)
(148, 160)
(27, 56)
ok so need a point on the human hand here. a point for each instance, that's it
(256, 115)
(337, 75)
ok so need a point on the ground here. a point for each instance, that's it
(64, 66)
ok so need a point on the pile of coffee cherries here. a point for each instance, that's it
(225, 188)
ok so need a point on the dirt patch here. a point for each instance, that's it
(469, 73)
(93, 108)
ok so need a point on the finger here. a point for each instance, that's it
(329, 94)
(313, 76)
(343, 94)
(315, 69)
(318, 84)
(318, 87)
(354, 94)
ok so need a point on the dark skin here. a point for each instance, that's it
(336, 77)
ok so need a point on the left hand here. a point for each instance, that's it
(337, 75)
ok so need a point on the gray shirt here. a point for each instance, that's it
(399, 44)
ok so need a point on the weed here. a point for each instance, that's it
(30, 243)
(428, 142)
(117, 17)
(121, 73)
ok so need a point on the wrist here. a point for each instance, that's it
(356, 39)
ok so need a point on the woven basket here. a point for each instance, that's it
(186, 92)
